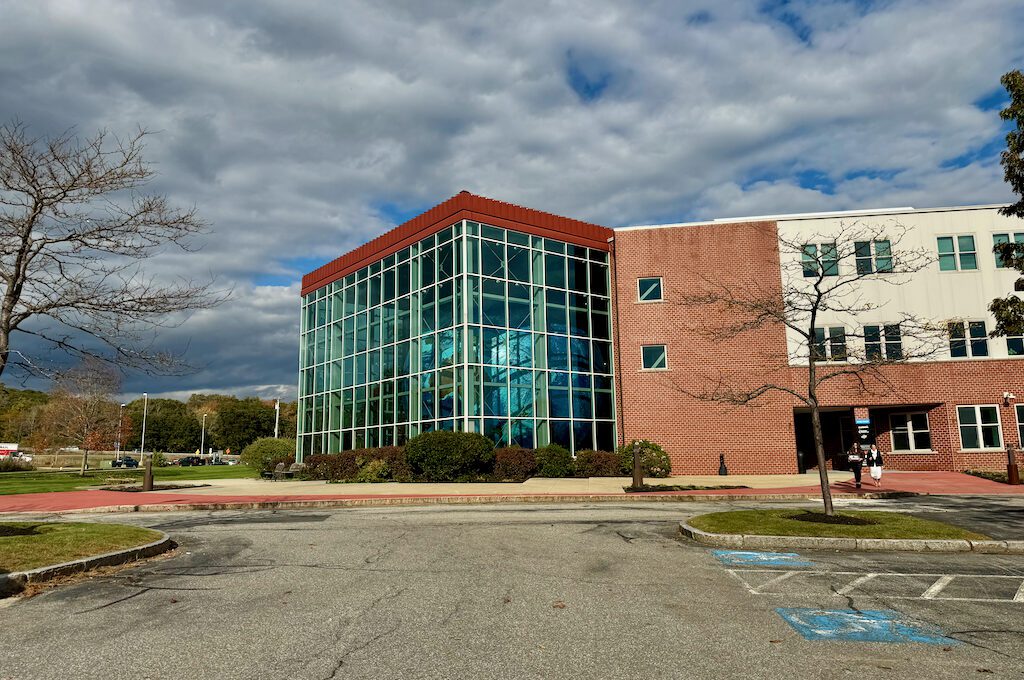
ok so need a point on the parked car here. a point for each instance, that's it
(191, 460)
(125, 461)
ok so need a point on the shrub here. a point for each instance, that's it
(14, 465)
(654, 462)
(333, 467)
(554, 461)
(264, 454)
(598, 464)
(514, 463)
(373, 470)
(159, 460)
(394, 457)
(445, 456)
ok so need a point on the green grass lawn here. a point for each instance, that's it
(780, 523)
(47, 543)
(38, 482)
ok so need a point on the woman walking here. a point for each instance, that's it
(855, 461)
(873, 462)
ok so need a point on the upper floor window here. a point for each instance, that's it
(969, 342)
(1015, 345)
(883, 342)
(649, 289)
(1000, 239)
(821, 257)
(654, 357)
(830, 344)
(979, 427)
(873, 256)
(957, 252)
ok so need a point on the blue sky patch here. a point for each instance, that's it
(588, 78)
(398, 213)
(868, 625)
(750, 558)
(781, 12)
(993, 101)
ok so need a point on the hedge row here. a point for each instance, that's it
(445, 456)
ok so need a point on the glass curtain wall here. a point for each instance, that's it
(475, 328)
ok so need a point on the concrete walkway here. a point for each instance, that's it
(250, 492)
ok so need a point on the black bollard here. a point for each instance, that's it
(722, 470)
(1012, 472)
(147, 474)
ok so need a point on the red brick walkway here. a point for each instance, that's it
(917, 482)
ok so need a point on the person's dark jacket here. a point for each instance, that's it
(873, 458)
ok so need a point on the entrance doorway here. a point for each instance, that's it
(838, 432)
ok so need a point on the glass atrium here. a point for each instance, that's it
(474, 328)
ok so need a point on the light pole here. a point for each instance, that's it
(202, 440)
(277, 417)
(117, 445)
(145, 409)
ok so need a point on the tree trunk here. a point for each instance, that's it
(819, 450)
(85, 462)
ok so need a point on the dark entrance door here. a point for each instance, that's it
(838, 431)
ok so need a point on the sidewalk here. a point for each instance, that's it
(248, 493)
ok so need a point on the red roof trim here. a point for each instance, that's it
(461, 206)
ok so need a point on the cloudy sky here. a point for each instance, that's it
(302, 128)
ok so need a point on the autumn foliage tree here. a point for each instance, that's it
(82, 410)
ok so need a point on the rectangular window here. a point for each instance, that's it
(971, 341)
(824, 255)
(910, 432)
(979, 427)
(1015, 345)
(1019, 409)
(957, 252)
(654, 357)
(830, 344)
(883, 342)
(649, 289)
(873, 256)
(1000, 239)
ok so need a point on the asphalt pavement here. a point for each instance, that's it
(513, 591)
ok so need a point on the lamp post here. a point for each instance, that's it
(277, 417)
(145, 409)
(202, 440)
(117, 444)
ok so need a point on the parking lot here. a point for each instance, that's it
(535, 591)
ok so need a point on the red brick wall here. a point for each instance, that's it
(663, 406)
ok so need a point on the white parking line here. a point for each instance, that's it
(937, 587)
(854, 583)
(933, 592)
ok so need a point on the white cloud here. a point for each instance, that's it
(288, 124)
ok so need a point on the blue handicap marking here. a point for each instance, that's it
(736, 558)
(866, 625)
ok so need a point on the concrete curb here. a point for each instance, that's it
(648, 497)
(14, 582)
(851, 544)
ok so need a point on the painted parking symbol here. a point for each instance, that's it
(740, 558)
(868, 625)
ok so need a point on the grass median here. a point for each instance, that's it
(802, 522)
(41, 481)
(29, 545)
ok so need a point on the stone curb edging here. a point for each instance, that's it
(851, 544)
(652, 497)
(14, 582)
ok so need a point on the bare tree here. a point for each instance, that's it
(82, 410)
(74, 228)
(823, 304)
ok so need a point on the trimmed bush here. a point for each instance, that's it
(373, 470)
(264, 454)
(394, 458)
(445, 456)
(598, 464)
(514, 464)
(333, 467)
(554, 461)
(654, 462)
